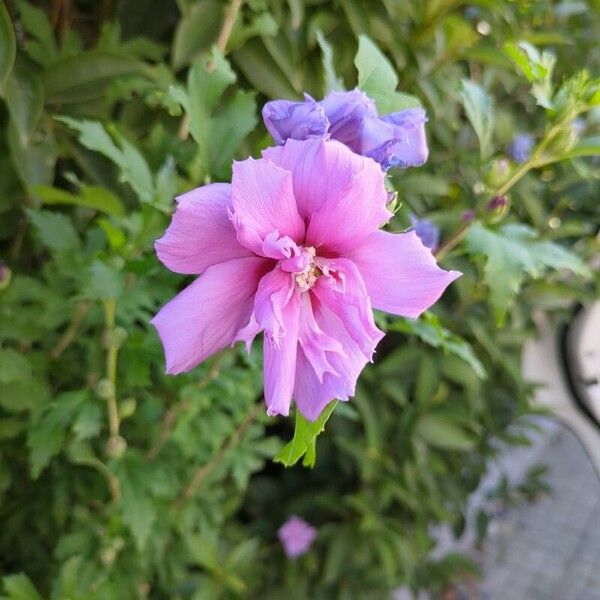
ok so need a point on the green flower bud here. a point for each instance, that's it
(105, 389)
(116, 446)
(127, 407)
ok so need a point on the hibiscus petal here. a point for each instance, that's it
(400, 273)
(343, 292)
(273, 294)
(317, 346)
(280, 361)
(200, 234)
(263, 200)
(340, 193)
(204, 317)
(312, 395)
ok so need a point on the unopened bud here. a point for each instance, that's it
(105, 389)
(497, 207)
(127, 407)
(467, 216)
(5, 275)
(116, 446)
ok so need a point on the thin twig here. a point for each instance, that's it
(71, 331)
(205, 470)
(110, 308)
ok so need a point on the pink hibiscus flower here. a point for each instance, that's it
(292, 248)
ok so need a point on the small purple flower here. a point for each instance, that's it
(520, 147)
(3, 271)
(394, 140)
(427, 231)
(293, 249)
(286, 119)
(296, 536)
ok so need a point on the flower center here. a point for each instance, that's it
(303, 265)
(306, 278)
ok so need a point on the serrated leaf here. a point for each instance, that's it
(8, 47)
(132, 165)
(54, 230)
(512, 253)
(439, 431)
(378, 79)
(480, 112)
(303, 441)
(46, 436)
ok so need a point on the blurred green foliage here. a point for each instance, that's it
(117, 481)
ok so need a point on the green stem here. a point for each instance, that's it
(110, 309)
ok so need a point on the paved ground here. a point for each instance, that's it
(549, 550)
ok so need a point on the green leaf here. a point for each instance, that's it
(8, 47)
(429, 329)
(378, 79)
(438, 430)
(24, 96)
(536, 66)
(54, 230)
(480, 112)
(20, 389)
(229, 129)
(86, 76)
(512, 253)
(261, 70)
(42, 47)
(303, 441)
(332, 81)
(137, 507)
(105, 282)
(197, 30)
(46, 437)
(205, 88)
(93, 197)
(19, 587)
(133, 166)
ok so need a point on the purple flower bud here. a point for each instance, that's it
(427, 231)
(396, 140)
(3, 271)
(497, 202)
(468, 216)
(286, 119)
(346, 112)
(296, 536)
(520, 147)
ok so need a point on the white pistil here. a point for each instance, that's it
(308, 277)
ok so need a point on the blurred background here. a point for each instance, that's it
(445, 477)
